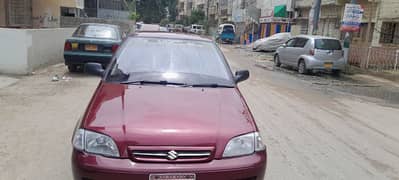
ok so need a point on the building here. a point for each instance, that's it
(386, 29)
(184, 8)
(37, 13)
(107, 9)
(276, 16)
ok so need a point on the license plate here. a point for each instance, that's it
(75, 45)
(172, 177)
(90, 47)
(328, 65)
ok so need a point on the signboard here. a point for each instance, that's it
(352, 18)
(273, 20)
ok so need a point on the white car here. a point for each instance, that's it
(271, 43)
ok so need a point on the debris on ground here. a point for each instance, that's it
(55, 78)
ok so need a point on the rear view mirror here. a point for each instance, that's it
(241, 76)
(94, 69)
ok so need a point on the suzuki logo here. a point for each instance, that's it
(172, 155)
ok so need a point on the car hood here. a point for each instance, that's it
(157, 115)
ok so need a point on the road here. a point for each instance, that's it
(312, 131)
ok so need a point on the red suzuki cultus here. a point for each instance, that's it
(167, 108)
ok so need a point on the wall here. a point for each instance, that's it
(46, 13)
(24, 50)
(13, 51)
(125, 25)
(47, 46)
(389, 9)
(2, 13)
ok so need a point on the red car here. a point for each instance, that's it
(167, 108)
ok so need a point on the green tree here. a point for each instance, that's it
(153, 11)
(197, 17)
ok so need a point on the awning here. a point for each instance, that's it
(280, 11)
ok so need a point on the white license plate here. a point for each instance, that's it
(172, 176)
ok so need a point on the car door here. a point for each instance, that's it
(285, 52)
(298, 50)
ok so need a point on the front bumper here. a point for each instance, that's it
(80, 58)
(93, 167)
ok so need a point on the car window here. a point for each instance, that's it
(179, 57)
(301, 42)
(291, 42)
(328, 44)
(228, 29)
(96, 31)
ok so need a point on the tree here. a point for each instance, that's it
(197, 17)
(153, 11)
(134, 16)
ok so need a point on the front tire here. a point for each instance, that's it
(72, 68)
(336, 73)
(302, 67)
(277, 60)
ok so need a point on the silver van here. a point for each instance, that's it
(311, 53)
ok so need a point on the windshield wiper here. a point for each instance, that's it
(153, 82)
(211, 85)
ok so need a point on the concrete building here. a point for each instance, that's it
(275, 16)
(107, 9)
(37, 13)
(386, 30)
(184, 8)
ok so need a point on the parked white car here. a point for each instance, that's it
(311, 53)
(197, 29)
(271, 43)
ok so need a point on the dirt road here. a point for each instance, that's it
(311, 133)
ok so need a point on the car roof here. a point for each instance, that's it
(100, 24)
(168, 35)
(314, 37)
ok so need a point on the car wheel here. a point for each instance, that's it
(336, 73)
(72, 68)
(302, 67)
(277, 60)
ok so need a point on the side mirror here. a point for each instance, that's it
(241, 76)
(94, 69)
(284, 45)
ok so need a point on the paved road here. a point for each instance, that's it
(311, 132)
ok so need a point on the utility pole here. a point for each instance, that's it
(372, 10)
(316, 15)
(207, 17)
(347, 41)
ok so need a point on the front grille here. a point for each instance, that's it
(174, 154)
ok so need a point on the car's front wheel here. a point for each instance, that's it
(72, 68)
(277, 60)
(302, 67)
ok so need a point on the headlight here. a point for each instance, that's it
(244, 145)
(95, 143)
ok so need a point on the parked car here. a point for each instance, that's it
(316, 53)
(179, 28)
(149, 27)
(226, 33)
(271, 43)
(168, 107)
(197, 29)
(91, 42)
(163, 29)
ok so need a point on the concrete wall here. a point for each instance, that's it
(2, 13)
(46, 13)
(389, 9)
(13, 51)
(24, 50)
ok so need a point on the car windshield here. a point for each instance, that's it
(228, 29)
(327, 44)
(96, 31)
(172, 60)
